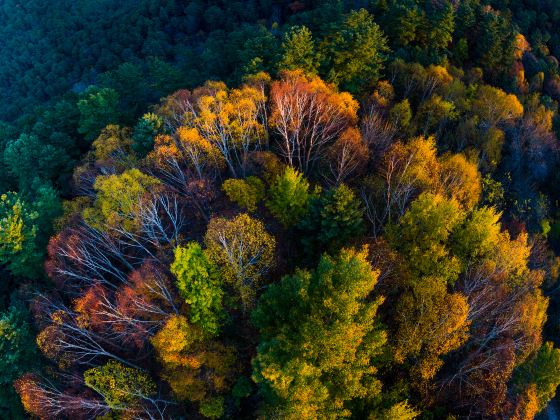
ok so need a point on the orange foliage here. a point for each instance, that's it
(308, 115)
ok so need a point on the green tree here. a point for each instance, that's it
(543, 370)
(298, 51)
(246, 193)
(355, 53)
(319, 335)
(144, 133)
(199, 284)
(98, 108)
(288, 197)
(334, 219)
(423, 233)
(27, 155)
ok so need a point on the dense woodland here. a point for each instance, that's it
(279, 209)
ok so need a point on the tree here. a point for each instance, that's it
(496, 36)
(112, 144)
(494, 106)
(434, 113)
(118, 200)
(422, 235)
(347, 157)
(430, 321)
(542, 370)
(18, 232)
(144, 133)
(319, 334)
(18, 354)
(243, 250)
(197, 370)
(47, 400)
(409, 169)
(98, 108)
(298, 50)
(199, 284)
(246, 193)
(400, 411)
(229, 119)
(461, 180)
(185, 155)
(288, 197)
(354, 54)
(27, 155)
(121, 387)
(308, 115)
(334, 219)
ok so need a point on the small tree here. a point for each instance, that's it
(288, 197)
(144, 133)
(120, 386)
(18, 232)
(199, 284)
(98, 108)
(298, 50)
(246, 193)
(243, 250)
(334, 219)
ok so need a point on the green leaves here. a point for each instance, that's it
(98, 108)
(355, 53)
(144, 133)
(334, 219)
(246, 193)
(319, 334)
(200, 285)
(422, 234)
(543, 370)
(289, 197)
(299, 51)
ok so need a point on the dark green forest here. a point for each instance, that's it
(279, 209)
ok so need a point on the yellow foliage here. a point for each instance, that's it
(113, 142)
(461, 180)
(431, 323)
(194, 366)
(243, 250)
(494, 106)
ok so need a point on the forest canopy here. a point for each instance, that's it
(300, 210)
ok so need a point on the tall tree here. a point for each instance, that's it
(319, 339)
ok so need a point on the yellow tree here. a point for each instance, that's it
(229, 119)
(243, 250)
(494, 106)
(118, 200)
(430, 320)
(197, 369)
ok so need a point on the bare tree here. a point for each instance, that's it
(307, 118)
